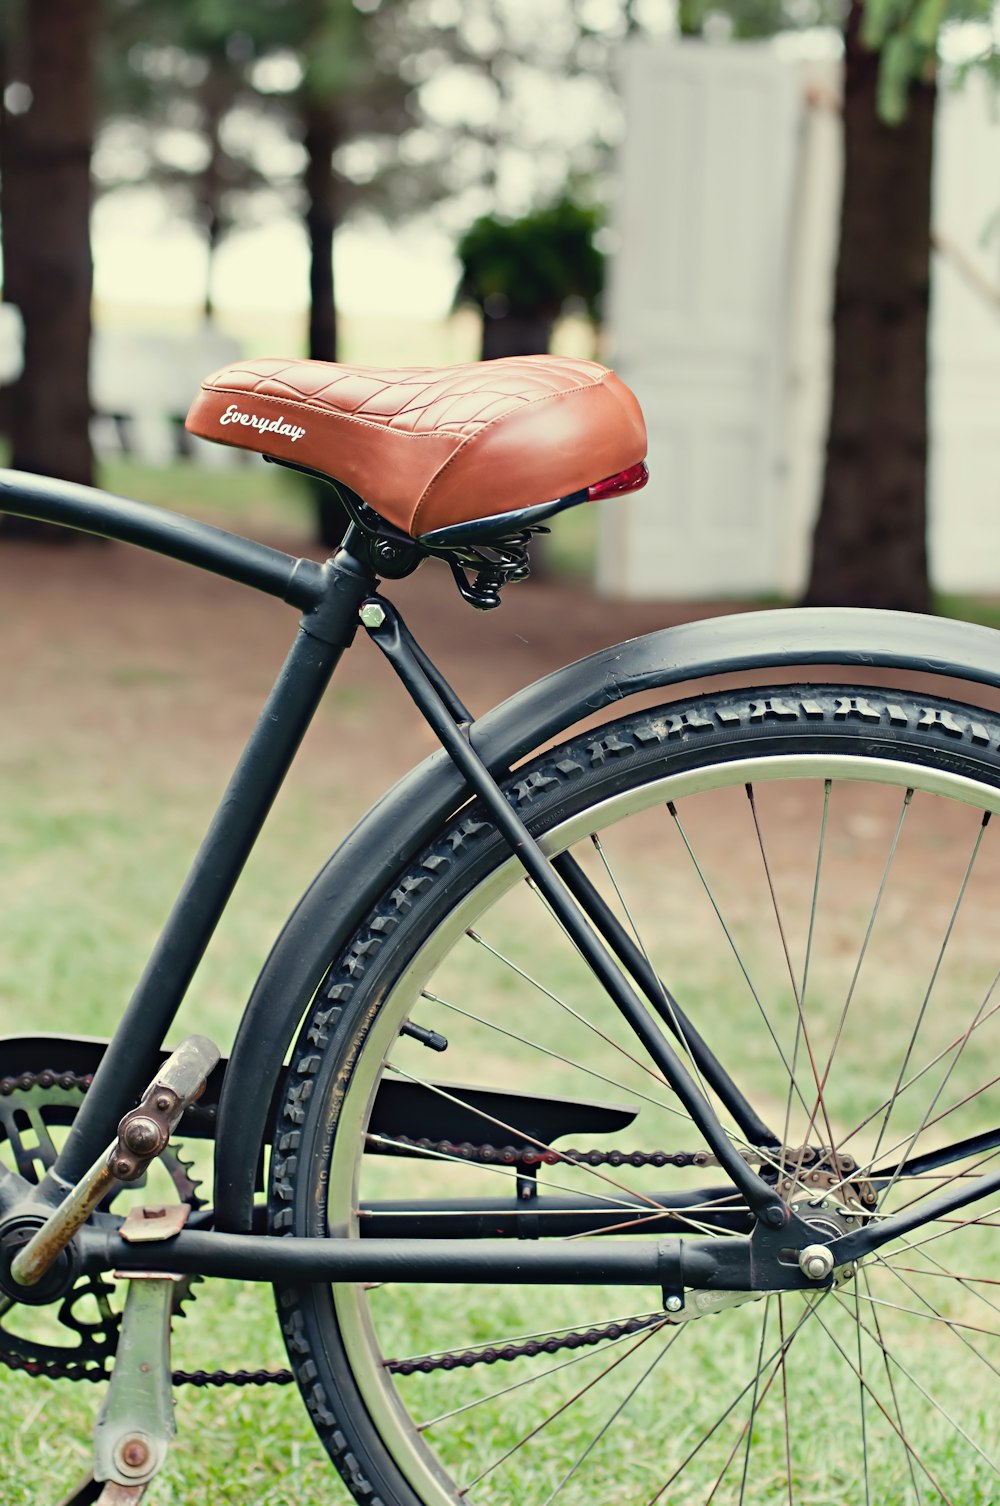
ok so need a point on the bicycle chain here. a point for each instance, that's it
(456, 1359)
(802, 1158)
(532, 1155)
(525, 1156)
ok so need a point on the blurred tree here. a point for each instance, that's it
(869, 547)
(46, 129)
(173, 77)
(328, 75)
(522, 274)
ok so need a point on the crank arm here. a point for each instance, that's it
(142, 1136)
(136, 1423)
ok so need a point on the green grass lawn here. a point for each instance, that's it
(95, 836)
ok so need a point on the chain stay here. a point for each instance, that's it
(522, 1156)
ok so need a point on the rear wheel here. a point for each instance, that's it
(811, 874)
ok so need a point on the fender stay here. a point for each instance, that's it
(405, 819)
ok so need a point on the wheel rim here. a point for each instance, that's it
(758, 1373)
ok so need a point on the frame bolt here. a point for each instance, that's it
(142, 1136)
(674, 1304)
(816, 1262)
(372, 615)
(133, 1455)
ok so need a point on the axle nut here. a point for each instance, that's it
(372, 615)
(816, 1262)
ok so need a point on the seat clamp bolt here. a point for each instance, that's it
(372, 615)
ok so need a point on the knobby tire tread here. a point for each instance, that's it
(866, 721)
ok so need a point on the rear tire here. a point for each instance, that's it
(813, 873)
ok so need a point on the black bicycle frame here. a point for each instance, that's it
(330, 597)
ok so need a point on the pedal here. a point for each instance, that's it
(143, 1134)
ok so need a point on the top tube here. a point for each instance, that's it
(298, 581)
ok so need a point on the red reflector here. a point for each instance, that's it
(632, 480)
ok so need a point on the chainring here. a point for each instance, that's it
(88, 1318)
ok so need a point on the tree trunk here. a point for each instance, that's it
(321, 140)
(516, 335)
(869, 546)
(46, 244)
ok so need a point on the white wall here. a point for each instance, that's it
(720, 318)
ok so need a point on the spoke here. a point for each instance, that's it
(846, 1139)
(705, 1064)
(671, 807)
(974, 1171)
(868, 1168)
(754, 1403)
(801, 1031)
(598, 1175)
(666, 1000)
(784, 1386)
(890, 1380)
(522, 1442)
(930, 986)
(827, 788)
(940, 1089)
(821, 1083)
(931, 1316)
(894, 1358)
(969, 1283)
(901, 1435)
(778, 1366)
(643, 1378)
(528, 1380)
(982, 1222)
(954, 1325)
(723, 1205)
(861, 1395)
(569, 1061)
(575, 1014)
(611, 1082)
(781, 1351)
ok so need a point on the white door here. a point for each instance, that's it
(696, 311)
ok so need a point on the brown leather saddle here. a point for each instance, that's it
(430, 448)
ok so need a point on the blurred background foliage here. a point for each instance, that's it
(494, 120)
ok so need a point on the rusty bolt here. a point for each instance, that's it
(122, 1168)
(133, 1455)
(162, 1103)
(142, 1136)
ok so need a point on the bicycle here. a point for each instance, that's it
(798, 1323)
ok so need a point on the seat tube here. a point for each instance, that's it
(130, 1059)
